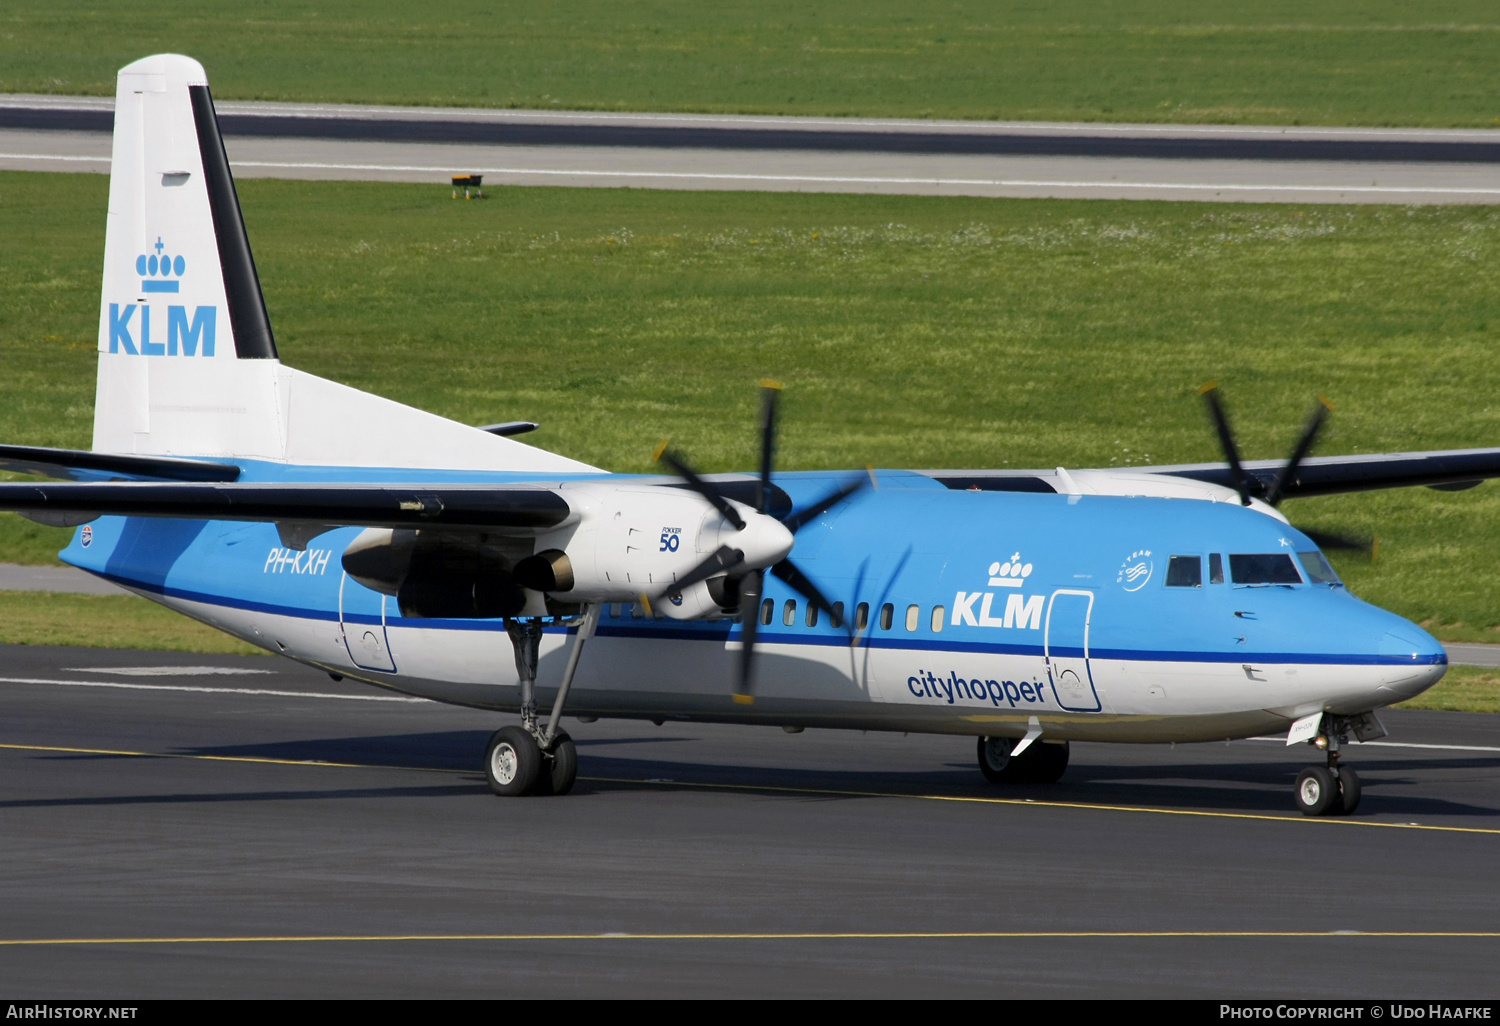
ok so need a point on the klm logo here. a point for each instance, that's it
(1021, 611)
(130, 323)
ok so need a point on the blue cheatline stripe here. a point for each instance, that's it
(721, 631)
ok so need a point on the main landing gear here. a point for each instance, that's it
(531, 759)
(1331, 789)
(1039, 763)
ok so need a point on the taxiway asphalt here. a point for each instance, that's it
(187, 825)
(853, 155)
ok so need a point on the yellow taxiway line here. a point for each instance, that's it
(771, 936)
(826, 792)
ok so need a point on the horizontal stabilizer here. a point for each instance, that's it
(518, 509)
(79, 465)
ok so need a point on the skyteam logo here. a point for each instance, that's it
(1022, 612)
(162, 271)
(1135, 572)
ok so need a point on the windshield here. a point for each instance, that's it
(1318, 570)
(1263, 568)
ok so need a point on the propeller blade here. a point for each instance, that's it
(787, 571)
(719, 562)
(823, 505)
(702, 487)
(1287, 474)
(770, 390)
(750, 587)
(1348, 543)
(1243, 482)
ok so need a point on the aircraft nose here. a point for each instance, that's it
(1413, 659)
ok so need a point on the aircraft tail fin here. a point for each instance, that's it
(187, 360)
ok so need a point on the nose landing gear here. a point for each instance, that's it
(1333, 789)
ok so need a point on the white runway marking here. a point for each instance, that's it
(1016, 183)
(1400, 744)
(205, 690)
(856, 180)
(165, 671)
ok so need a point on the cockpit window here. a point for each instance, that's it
(1185, 572)
(1263, 568)
(1318, 570)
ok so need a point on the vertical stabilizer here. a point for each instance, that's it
(187, 362)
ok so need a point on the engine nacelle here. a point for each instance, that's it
(695, 602)
(638, 540)
(451, 574)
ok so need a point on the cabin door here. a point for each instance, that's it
(362, 620)
(1067, 648)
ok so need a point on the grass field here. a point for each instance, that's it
(107, 621)
(1336, 62)
(910, 331)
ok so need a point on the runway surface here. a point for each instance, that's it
(664, 151)
(179, 825)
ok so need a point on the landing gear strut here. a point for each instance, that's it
(1332, 789)
(531, 759)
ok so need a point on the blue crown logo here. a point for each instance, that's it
(159, 271)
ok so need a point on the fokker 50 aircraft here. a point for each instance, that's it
(382, 543)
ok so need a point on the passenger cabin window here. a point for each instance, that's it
(636, 612)
(1318, 570)
(937, 619)
(1185, 572)
(789, 612)
(913, 614)
(812, 615)
(767, 610)
(862, 616)
(1263, 568)
(837, 619)
(887, 615)
(1215, 568)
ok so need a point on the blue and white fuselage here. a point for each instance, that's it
(1093, 641)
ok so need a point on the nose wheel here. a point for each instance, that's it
(1327, 791)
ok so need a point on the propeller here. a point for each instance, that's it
(750, 583)
(1249, 486)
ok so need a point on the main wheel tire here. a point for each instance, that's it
(1317, 791)
(512, 762)
(563, 766)
(1045, 762)
(995, 761)
(1350, 791)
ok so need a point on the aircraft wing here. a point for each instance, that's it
(80, 465)
(362, 505)
(1449, 470)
